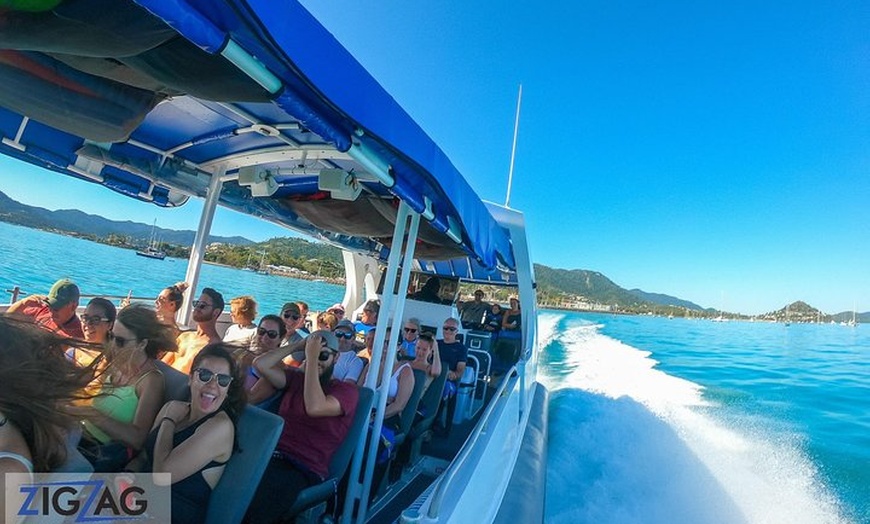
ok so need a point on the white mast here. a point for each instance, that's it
(507, 200)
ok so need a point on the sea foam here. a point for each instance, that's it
(632, 444)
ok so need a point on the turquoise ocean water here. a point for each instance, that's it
(652, 421)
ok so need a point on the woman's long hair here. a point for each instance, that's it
(143, 322)
(38, 386)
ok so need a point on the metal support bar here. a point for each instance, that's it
(197, 251)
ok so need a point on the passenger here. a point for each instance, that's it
(453, 355)
(327, 321)
(97, 321)
(337, 310)
(427, 358)
(472, 313)
(400, 389)
(429, 291)
(409, 339)
(55, 312)
(366, 352)
(317, 412)
(206, 311)
(494, 317)
(168, 303)
(304, 326)
(117, 422)
(38, 389)
(368, 320)
(292, 320)
(512, 317)
(243, 311)
(270, 332)
(194, 440)
(348, 366)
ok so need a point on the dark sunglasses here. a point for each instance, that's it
(198, 304)
(294, 316)
(205, 376)
(89, 319)
(449, 328)
(271, 333)
(343, 334)
(369, 311)
(324, 355)
(119, 341)
(410, 330)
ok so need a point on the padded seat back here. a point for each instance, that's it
(341, 458)
(429, 403)
(177, 384)
(257, 433)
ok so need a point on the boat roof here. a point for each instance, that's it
(151, 98)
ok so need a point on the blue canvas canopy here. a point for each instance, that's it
(152, 98)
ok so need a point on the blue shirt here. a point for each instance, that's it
(453, 353)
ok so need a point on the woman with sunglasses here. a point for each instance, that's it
(268, 337)
(512, 317)
(39, 387)
(97, 322)
(194, 440)
(118, 421)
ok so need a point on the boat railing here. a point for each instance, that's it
(455, 467)
(17, 293)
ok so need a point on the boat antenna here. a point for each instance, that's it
(507, 200)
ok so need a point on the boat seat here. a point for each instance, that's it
(319, 493)
(257, 433)
(177, 384)
(427, 408)
(406, 419)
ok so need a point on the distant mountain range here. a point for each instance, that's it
(75, 221)
(592, 286)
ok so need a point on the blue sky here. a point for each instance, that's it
(719, 152)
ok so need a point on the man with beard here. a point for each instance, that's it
(317, 411)
(206, 311)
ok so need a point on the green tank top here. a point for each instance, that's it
(119, 403)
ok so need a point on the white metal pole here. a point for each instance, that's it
(354, 487)
(397, 310)
(507, 200)
(197, 251)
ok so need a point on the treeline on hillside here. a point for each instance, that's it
(315, 258)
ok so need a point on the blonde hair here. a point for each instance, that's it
(245, 306)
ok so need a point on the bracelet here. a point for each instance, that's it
(170, 419)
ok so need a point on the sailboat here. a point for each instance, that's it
(854, 321)
(152, 251)
(248, 266)
(263, 269)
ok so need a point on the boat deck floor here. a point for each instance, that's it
(415, 479)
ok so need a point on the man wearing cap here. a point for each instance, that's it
(55, 312)
(348, 366)
(471, 313)
(317, 411)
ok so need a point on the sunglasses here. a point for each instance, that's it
(119, 341)
(369, 311)
(205, 376)
(271, 333)
(199, 304)
(324, 355)
(294, 316)
(343, 334)
(449, 328)
(410, 330)
(90, 319)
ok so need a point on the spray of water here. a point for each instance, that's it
(632, 444)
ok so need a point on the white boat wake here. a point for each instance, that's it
(631, 444)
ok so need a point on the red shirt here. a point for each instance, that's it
(41, 315)
(312, 441)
